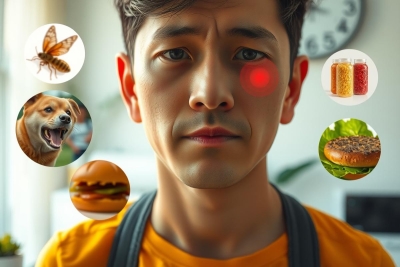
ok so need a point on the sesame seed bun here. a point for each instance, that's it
(354, 151)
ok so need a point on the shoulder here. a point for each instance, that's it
(87, 243)
(341, 242)
(337, 231)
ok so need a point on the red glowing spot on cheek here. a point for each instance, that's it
(259, 79)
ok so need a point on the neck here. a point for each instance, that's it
(218, 223)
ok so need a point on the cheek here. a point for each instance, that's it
(264, 89)
(159, 108)
(259, 80)
(264, 114)
(35, 121)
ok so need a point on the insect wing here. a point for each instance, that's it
(62, 47)
(50, 39)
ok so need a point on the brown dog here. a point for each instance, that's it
(47, 121)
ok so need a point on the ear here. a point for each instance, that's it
(74, 106)
(126, 86)
(300, 69)
(32, 100)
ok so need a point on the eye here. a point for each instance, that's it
(249, 54)
(68, 112)
(176, 54)
(48, 109)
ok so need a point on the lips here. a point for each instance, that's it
(212, 137)
(212, 132)
(54, 137)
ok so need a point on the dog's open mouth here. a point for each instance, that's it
(54, 137)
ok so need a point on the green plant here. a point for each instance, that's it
(8, 247)
(290, 173)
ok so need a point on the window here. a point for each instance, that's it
(3, 133)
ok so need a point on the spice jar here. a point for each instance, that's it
(360, 77)
(344, 78)
(333, 75)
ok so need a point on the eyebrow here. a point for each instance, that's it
(175, 31)
(255, 32)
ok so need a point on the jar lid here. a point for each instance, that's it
(360, 60)
(335, 60)
(343, 60)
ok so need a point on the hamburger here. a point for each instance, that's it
(99, 186)
(362, 152)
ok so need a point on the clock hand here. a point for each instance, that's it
(317, 9)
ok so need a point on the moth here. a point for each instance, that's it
(52, 49)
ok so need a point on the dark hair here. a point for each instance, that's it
(134, 12)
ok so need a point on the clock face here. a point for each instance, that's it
(329, 25)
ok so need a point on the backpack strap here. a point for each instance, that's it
(303, 242)
(128, 238)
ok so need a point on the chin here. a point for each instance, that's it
(202, 177)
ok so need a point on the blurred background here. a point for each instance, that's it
(34, 200)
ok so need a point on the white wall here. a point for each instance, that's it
(28, 185)
(96, 85)
(380, 39)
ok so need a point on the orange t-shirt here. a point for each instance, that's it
(88, 244)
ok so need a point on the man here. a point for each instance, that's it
(211, 124)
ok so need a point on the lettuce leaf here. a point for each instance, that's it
(349, 127)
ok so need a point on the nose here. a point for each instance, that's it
(212, 88)
(65, 119)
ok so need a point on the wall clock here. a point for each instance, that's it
(329, 25)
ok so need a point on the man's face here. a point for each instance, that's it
(186, 76)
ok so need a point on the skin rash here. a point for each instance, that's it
(212, 201)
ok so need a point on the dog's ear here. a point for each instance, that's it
(74, 106)
(32, 100)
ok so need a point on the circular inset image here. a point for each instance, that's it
(54, 128)
(349, 149)
(99, 189)
(349, 77)
(54, 53)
